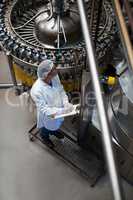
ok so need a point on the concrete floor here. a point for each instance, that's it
(30, 172)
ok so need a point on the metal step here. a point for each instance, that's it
(84, 162)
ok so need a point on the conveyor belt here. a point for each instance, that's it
(81, 160)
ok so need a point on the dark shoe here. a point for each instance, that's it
(59, 135)
(48, 142)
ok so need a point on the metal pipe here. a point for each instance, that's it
(13, 76)
(8, 85)
(106, 135)
(124, 33)
(58, 34)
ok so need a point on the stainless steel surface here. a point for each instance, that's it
(18, 27)
(121, 128)
(50, 31)
(121, 109)
(106, 134)
(121, 117)
(124, 158)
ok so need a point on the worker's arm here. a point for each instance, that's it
(63, 95)
(56, 82)
(44, 108)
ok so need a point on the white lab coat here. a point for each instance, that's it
(49, 100)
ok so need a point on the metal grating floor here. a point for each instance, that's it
(84, 162)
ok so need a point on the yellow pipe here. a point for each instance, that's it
(23, 76)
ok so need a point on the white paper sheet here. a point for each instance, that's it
(73, 112)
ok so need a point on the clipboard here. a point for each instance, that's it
(75, 111)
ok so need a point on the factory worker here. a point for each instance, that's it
(51, 100)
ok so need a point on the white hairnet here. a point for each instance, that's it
(44, 68)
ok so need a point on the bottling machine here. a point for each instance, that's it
(31, 31)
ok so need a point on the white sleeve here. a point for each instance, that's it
(44, 108)
(56, 82)
(65, 97)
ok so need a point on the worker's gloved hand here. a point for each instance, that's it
(52, 116)
(68, 107)
(78, 108)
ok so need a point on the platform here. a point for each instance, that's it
(84, 162)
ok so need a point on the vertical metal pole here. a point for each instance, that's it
(58, 34)
(106, 135)
(10, 62)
